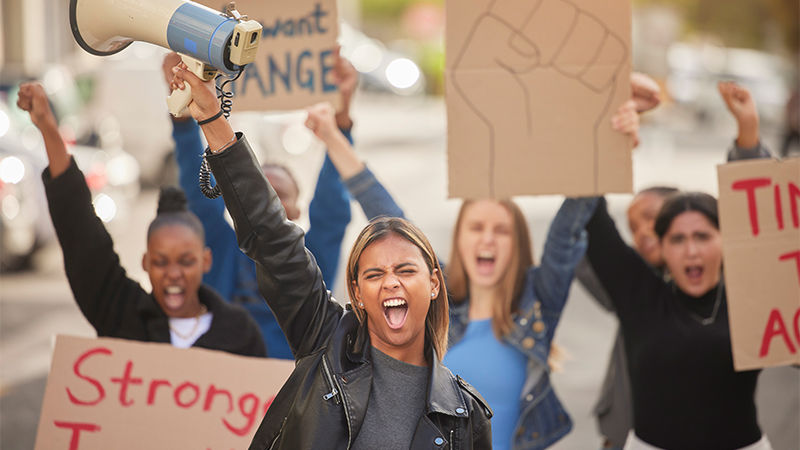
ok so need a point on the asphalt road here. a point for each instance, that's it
(403, 142)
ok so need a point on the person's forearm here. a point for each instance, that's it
(343, 156)
(748, 134)
(57, 155)
(219, 134)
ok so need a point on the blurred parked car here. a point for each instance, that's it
(23, 212)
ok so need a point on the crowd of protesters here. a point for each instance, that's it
(392, 369)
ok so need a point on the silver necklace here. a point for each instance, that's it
(713, 317)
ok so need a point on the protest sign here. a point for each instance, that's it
(531, 87)
(760, 223)
(119, 394)
(295, 58)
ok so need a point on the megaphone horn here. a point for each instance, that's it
(105, 27)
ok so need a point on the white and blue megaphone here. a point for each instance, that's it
(207, 40)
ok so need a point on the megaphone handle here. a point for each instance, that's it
(179, 100)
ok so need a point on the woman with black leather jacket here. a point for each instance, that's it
(366, 376)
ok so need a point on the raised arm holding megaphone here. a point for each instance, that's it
(208, 41)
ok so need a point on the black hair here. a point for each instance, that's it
(172, 211)
(682, 202)
(661, 191)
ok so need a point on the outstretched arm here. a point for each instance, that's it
(288, 276)
(566, 241)
(742, 107)
(374, 199)
(104, 293)
(220, 237)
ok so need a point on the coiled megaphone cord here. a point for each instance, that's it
(225, 104)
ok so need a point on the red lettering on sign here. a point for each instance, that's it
(750, 185)
(101, 393)
(76, 431)
(249, 412)
(181, 388)
(796, 256)
(778, 207)
(154, 384)
(212, 392)
(794, 199)
(797, 325)
(124, 381)
(775, 319)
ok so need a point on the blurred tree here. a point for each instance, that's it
(740, 23)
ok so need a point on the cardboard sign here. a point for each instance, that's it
(759, 206)
(295, 57)
(119, 394)
(531, 87)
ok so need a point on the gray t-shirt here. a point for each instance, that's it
(396, 403)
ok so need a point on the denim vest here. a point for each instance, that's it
(543, 420)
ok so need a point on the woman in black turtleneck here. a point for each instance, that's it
(686, 394)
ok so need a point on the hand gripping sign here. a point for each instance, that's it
(531, 87)
(117, 394)
(759, 206)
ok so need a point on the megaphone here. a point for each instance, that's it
(207, 40)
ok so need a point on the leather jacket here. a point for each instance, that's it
(323, 403)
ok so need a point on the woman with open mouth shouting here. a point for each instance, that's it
(686, 393)
(366, 377)
(179, 310)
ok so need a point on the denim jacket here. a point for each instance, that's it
(543, 419)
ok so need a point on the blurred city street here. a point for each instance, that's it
(403, 141)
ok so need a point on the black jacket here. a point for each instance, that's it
(322, 404)
(116, 305)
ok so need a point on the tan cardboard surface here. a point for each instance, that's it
(292, 69)
(531, 87)
(761, 244)
(119, 394)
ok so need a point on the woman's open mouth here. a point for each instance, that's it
(485, 263)
(174, 297)
(694, 273)
(395, 311)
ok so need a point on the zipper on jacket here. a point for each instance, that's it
(452, 432)
(280, 432)
(334, 393)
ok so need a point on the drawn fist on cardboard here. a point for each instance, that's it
(520, 68)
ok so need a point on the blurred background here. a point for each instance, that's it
(112, 112)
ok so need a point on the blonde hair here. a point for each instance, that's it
(437, 319)
(512, 282)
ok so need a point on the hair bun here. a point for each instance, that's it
(171, 199)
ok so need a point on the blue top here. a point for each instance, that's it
(232, 273)
(503, 398)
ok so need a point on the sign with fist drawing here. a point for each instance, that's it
(531, 87)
